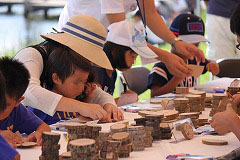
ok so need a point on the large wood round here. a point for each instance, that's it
(82, 142)
(120, 136)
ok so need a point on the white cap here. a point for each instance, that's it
(127, 34)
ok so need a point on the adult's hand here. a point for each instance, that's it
(94, 111)
(177, 66)
(225, 122)
(113, 111)
(189, 50)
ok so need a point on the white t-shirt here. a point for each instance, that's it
(41, 98)
(95, 8)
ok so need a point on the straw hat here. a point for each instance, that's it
(86, 36)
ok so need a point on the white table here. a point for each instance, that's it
(160, 149)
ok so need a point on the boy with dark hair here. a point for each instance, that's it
(228, 121)
(188, 28)
(6, 151)
(16, 117)
(68, 74)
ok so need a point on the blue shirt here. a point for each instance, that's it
(55, 118)
(6, 151)
(160, 75)
(21, 119)
(107, 83)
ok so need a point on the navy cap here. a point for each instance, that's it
(189, 28)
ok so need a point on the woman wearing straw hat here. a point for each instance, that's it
(86, 36)
(110, 11)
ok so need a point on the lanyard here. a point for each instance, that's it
(143, 17)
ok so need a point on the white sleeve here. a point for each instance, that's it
(36, 96)
(112, 6)
(102, 98)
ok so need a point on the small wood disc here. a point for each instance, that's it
(27, 144)
(216, 142)
(66, 154)
(187, 131)
(118, 126)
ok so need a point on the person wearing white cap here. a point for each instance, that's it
(110, 11)
(189, 28)
(125, 41)
(85, 36)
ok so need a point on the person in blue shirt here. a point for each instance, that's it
(188, 28)
(6, 151)
(16, 117)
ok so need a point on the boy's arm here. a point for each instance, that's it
(37, 135)
(17, 157)
(168, 87)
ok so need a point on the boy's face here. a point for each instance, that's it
(73, 85)
(11, 103)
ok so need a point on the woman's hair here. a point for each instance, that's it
(63, 61)
(116, 54)
(235, 21)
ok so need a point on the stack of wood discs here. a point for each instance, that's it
(233, 90)
(169, 115)
(110, 150)
(203, 96)
(103, 137)
(195, 103)
(208, 101)
(140, 121)
(118, 127)
(125, 143)
(148, 137)
(166, 131)
(194, 117)
(181, 105)
(76, 130)
(203, 121)
(84, 149)
(137, 135)
(50, 146)
(154, 121)
(92, 131)
(215, 103)
(182, 90)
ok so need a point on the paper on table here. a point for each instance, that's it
(197, 70)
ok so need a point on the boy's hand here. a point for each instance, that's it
(11, 137)
(35, 137)
(213, 67)
(113, 111)
(94, 111)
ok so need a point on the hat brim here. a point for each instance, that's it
(89, 51)
(144, 52)
(193, 38)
